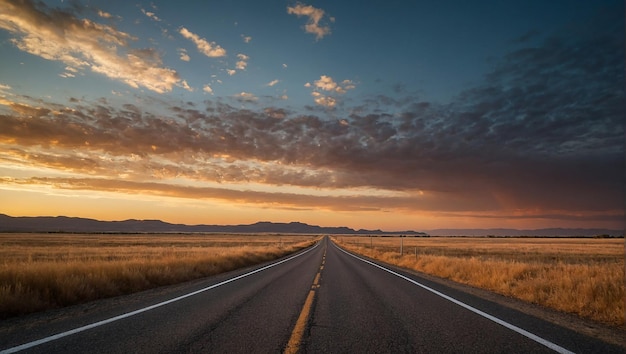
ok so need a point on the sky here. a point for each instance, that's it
(390, 115)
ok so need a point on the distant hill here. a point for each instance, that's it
(553, 232)
(72, 224)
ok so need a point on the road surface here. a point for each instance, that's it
(322, 300)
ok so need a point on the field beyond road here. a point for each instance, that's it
(44, 271)
(582, 276)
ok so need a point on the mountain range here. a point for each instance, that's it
(549, 232)
(74, 224)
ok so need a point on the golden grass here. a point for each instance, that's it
(43, 271)
(575, 275)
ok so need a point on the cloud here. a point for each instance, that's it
(327, 84)
(275, 199)
(207, 89)
(313, 24)
(542, 136)
(186, 86)
(151, 15)
(326, 101)
(283, 199)
(246, 97)
(422, 148)
(69, 72)
(246, 39)
(242, 63)
(231, 72)
(183, 54)
(211, 50)
(272, 83)
(104, 14)
(58, 35)
(346, 85)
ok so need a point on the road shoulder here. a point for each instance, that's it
(613, 335)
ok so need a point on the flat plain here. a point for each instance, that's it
(581, 276)
(44, 271)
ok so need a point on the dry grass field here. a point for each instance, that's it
(576, 275)
(43, 271)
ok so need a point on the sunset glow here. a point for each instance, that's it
(458, 115)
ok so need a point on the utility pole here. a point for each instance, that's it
(401, 243)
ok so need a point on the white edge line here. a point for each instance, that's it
(136, 312)
(512, 327)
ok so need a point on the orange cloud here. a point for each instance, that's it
(315, 16)
(326, 83)
(404, 205)
(210, 49)
(84, 44)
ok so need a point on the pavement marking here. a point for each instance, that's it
(295, 340)
(512, 327)
(298, 331)
(136, 312)
(317, 278)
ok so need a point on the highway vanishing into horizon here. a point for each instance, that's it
(319, 300)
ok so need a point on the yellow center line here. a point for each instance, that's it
(298, 331)
(317, 279)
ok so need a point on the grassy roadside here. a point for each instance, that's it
(583, 277)
(40, 272)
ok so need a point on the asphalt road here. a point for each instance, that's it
(353, 306)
